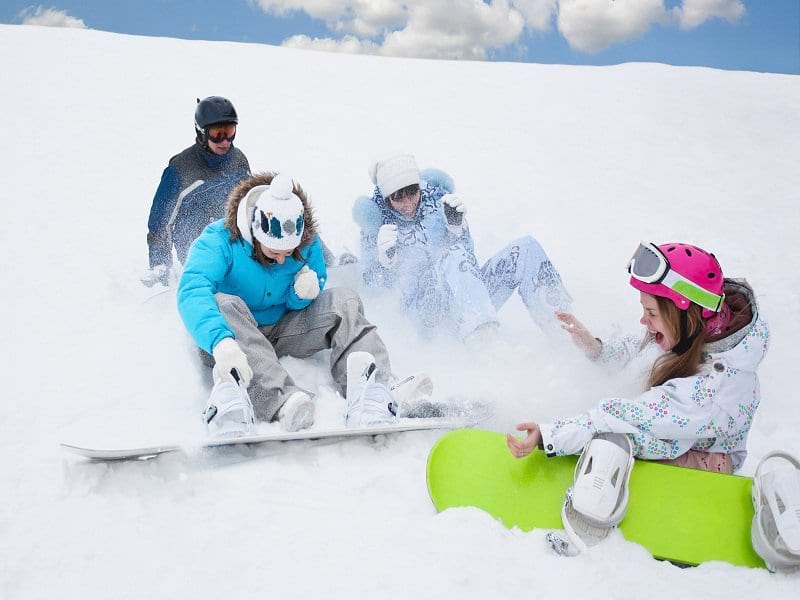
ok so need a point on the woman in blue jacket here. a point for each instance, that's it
(252, 291)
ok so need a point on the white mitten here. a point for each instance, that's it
(228, 356)
(386, 242)
(454, 211)
(306, 284)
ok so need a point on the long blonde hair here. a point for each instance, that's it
(672, 365)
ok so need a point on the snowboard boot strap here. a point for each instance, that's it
(229, 412)
(600, 493)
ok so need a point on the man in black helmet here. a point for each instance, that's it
(194, 187)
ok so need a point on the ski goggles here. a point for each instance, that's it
(220, 133)
(649, 265)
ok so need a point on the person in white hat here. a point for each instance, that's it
(253, 290)
(415, 238)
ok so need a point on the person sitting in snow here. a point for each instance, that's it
(253, 290)
(194, 187)
(415, 238)
(703, 388)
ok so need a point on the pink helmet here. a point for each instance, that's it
(694, 264)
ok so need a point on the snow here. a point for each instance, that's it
(589, 160)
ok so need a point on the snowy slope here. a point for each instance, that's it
(589, 160)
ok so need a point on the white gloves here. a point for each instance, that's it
(386, 242)
(306, 284)
(159, 274)
(454, 211)
(228, 356)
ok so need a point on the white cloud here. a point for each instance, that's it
(366, 18)
(456, 29)
(372, 18)
(348, 44)
(594, 25)
(472, 29)
(538, 13)
(421, 28)
(326, 10)
(50, 17)
(694, 13)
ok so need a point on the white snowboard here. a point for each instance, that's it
(308, 434)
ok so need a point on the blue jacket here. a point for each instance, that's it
(192, 194)
(216, 264)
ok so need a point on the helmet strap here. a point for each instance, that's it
(685, 341)
(200, 138)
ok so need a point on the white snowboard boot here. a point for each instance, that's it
(776, 498)
(599, 498)
(368, 402)
(297, 412)
(229, 411)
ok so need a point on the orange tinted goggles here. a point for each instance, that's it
(218, 133)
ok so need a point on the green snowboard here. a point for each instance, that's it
(681, 515)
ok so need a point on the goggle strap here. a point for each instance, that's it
(693, 292)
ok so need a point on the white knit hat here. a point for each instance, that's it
(394, 173)
(278, 220)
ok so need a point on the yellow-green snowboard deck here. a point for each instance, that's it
(682, 515)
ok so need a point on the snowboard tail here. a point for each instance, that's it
(682, 515)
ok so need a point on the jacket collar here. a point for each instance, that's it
(212, 160)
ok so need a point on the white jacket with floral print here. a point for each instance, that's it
(711, 411)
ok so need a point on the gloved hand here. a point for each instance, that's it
(306, 284)
(159, 274)
(228, 355)
(386, 243)
(454, 211)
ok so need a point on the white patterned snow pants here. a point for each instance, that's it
(457, 290)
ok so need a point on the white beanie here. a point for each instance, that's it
(278, 220)
(394, 173)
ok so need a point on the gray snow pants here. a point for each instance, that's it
(334, 321)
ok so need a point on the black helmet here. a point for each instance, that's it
(214, 109)
(210, 111)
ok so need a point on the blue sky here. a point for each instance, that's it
(756, 35)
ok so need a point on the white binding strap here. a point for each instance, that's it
(600, 493)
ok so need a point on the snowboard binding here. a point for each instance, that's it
(598, 500)
(775, 533)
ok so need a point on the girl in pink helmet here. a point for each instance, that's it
(703, 388)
